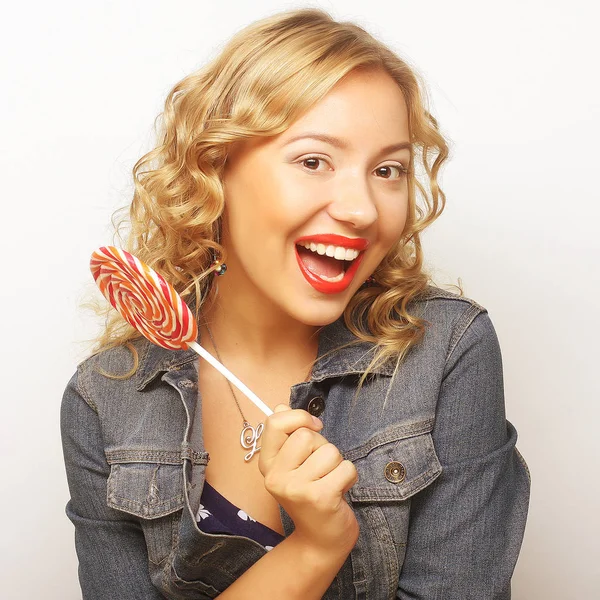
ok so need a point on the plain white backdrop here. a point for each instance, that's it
(515, 87)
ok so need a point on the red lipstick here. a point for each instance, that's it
(330, 239)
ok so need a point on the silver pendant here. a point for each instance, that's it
(249, 438)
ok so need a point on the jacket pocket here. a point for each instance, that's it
(392, 467)
(148, 485)
(395, 464)
(147, 490)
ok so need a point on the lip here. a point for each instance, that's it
(329, 287)
(332, 239)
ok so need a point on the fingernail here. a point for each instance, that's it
(317, 421)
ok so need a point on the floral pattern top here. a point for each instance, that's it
(217, 515)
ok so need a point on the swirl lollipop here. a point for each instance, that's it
(151, 305)
(144, 299)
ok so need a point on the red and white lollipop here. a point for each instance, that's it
(152, 305)
(144, 298)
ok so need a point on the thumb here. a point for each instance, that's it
(281, 408)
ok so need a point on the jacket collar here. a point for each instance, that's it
(336, 359)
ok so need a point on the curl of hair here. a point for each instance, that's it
(265, 78)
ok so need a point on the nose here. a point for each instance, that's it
(353, 203)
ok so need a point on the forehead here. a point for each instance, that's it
(363, 103)
(366, 109)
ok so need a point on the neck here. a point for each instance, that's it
(243, 325)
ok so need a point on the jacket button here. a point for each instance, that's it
(395, 472)
(316, 406)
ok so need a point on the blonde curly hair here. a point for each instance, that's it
(264, 79)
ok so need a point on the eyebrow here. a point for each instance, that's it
(341, 144)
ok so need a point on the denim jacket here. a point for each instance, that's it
(441, 498)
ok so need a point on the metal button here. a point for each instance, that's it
(395, 472)
(316, 406)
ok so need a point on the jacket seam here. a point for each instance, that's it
(463, 323)
(141, 373)
(523, 464)
(394, 434)
(150, 455)
(83, 391)
(402, 492)
(440, 294)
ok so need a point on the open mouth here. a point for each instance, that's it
(329, 262)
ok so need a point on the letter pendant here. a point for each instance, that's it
(249, 438)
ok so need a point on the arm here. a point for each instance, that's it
(113, 559)
(292, 570)
(466, 528)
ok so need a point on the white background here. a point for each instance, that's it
(514, 85)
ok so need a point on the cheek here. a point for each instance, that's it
(271, 196)
(392, 218)
(292, 197)
(249, 205)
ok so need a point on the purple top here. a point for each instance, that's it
(217, 515)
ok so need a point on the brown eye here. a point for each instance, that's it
(387, 170)
(311, 163)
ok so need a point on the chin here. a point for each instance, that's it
(319, 314)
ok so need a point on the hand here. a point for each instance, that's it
(308, 476)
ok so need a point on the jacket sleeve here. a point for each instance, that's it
(466, 528)
(113, 559)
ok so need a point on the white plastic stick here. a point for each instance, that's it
(229, 375)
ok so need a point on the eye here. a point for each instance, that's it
(386, 171)
(312, 162)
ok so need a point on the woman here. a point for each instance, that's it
(282, 203)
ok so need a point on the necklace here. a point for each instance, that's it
(249, 435)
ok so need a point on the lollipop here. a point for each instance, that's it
(144, 299)
(151, 305)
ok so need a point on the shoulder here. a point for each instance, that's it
(110, 373)
(117, 360)
(127, 399)
(437, 301)
(449, 316)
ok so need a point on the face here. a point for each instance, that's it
(311, 212)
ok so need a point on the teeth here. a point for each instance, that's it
(337, 252)
(333, 279)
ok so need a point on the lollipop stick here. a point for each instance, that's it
(229, 375)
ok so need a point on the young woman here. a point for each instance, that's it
(283, 203)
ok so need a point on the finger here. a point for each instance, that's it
(299, 446)
(321, 462)
(342, 478)
(280, 425)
